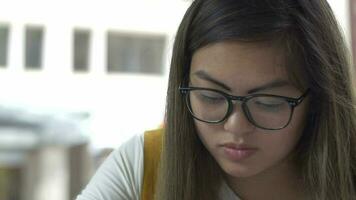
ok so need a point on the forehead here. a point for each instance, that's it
(240, 64)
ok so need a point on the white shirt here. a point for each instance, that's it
(121, 175)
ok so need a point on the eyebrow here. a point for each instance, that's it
(273, 84)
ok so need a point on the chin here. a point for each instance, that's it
(240, 171)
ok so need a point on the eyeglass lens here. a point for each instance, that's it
(263, 111)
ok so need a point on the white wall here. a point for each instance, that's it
(342, 13)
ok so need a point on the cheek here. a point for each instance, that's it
(284, 141)
(280, 144)
(203, 129)
(207, 133)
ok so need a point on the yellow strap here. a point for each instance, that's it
(152, 154)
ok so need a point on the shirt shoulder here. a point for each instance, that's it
(120, 176)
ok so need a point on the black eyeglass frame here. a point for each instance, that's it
(292, 102)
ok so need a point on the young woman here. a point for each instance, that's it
(260, 106)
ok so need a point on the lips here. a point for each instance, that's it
(236, 152)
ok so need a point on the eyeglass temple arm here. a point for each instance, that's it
(300, 99)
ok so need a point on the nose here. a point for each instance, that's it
(237, 122)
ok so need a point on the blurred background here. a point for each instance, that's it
(78, 78)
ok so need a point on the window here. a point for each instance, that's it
(4, 37)
(135, 53)
(33, 49)
(81, 50)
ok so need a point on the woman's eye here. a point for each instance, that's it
(208, 98)
(270, 105)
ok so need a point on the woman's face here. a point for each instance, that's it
(240, 148)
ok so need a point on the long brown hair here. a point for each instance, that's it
(316, 58)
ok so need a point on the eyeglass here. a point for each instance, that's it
(265, 111)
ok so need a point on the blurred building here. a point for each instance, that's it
(61, 60)
(109, 58)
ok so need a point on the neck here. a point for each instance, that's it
(282, 182)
